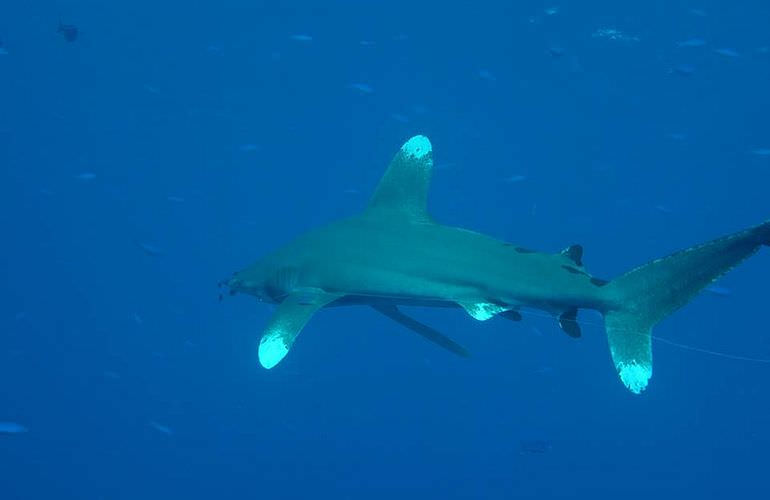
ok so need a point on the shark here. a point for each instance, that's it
(394, 254)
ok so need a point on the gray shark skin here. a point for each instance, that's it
(394, 253)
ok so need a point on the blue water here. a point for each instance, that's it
(173, 143)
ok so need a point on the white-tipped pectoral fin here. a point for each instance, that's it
(289, 318)
(272, 348)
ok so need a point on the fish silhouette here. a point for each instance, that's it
(68, 31)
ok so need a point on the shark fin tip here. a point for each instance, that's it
(418, 146)
(635, 376)
(272, 350)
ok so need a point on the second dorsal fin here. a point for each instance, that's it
(574, 253)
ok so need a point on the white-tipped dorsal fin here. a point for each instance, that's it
(403, 190)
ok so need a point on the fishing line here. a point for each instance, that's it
(736, 357)
(713, 353)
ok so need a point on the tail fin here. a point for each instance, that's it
(648, 294)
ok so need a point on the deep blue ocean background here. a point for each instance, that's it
(173, 143)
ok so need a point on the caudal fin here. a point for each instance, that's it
(646, 295)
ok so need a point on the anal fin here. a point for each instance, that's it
(568, 323)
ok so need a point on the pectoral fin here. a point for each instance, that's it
(289, 318)
(425, 331)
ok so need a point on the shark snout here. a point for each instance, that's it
(234, 284)
(237, 284)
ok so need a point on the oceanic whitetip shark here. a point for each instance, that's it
(394, 254)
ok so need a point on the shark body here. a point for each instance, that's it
(395, 254)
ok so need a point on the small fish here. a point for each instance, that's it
(301, 38)
(111, 375)
(246, 148)
(487, 75)
(515, 178)
(399, 117)
(12, 428)
(727, 52)
(691, 42)
(137, 319)
(534, 447)
(551, 11)
(698, 12)
(68, 31)
(684, 70)
(86, 176)
(761, 151)
(161, 428)
(719, 290)
(677, 136)
(556, 52)
(175, 199)
(3, 52)
(150, 249)
(664, 209)
(614, 35)
(151, 89)
(362, 88)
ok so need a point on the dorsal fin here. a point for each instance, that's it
(403, 190)
(574, 253)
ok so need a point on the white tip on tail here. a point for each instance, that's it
(272, 350)
(418, 146)
(635, 376)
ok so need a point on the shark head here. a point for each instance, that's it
(265, 281)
